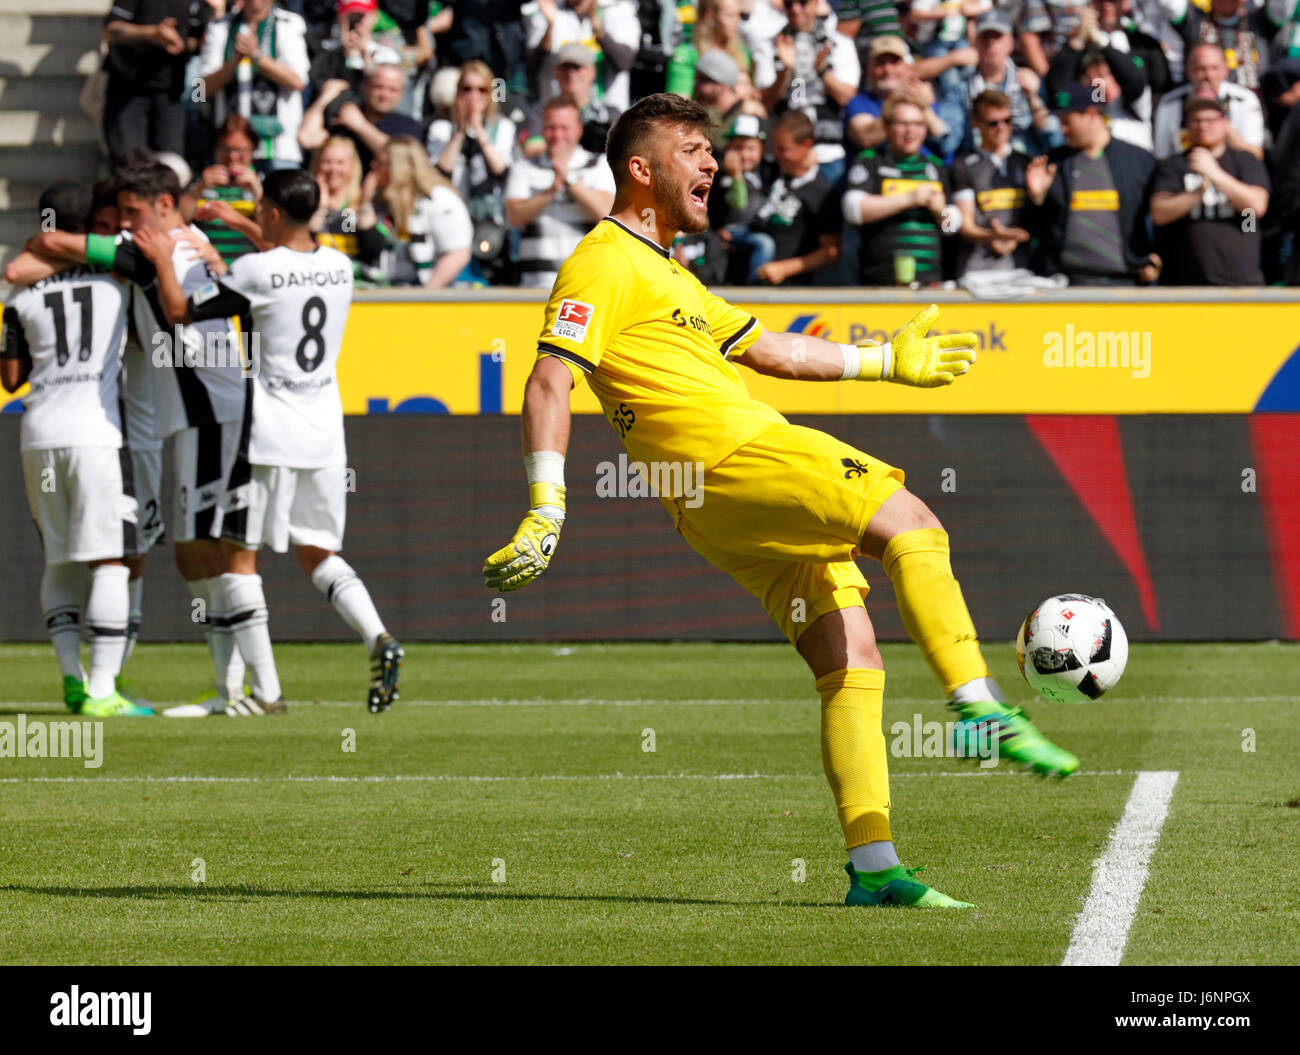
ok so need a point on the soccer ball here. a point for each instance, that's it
(1072, 648)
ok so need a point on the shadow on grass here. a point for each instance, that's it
(425, 891)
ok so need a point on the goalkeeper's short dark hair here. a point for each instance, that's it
(642, 119)
(295, 191)
(66, 205)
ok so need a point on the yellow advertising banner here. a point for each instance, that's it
(1054, 357)
(1044, 357)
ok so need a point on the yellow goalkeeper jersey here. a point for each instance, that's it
(654, 345)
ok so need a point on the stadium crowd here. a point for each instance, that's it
(998, 144)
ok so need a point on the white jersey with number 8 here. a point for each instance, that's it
(298, 306)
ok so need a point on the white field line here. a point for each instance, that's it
(457, 778)
(933, 701)
(1119, 875)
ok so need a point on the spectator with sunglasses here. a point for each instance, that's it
(988, 188)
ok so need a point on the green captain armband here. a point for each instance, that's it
(101, 249)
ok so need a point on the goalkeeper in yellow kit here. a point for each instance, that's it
(783, 509)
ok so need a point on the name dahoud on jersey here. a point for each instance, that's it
(287, 280)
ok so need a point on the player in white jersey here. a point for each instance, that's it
(64, 336)
(143, 445)
(288, 483)
(197, 383)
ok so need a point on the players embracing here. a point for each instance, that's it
(258, 455)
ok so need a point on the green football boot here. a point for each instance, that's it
(126, 691)
(74, 693)
(114, 705)
(1017, 738)
(896, 886)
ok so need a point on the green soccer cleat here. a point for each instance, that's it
(125, 690)
(114, 705)
(74, 693)
(894, 887)
(1017, 738)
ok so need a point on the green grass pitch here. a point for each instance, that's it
(506, 811)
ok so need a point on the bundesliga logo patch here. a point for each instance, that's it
(572, 319)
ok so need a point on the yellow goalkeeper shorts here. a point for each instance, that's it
(783, 516)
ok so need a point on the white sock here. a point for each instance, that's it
(62, 587)
(243, 599)
(107, 610)
(227, 663)
(344, 589)
(873, 857)
(135, 588)
(978, 690)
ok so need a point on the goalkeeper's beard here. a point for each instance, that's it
(672, 202)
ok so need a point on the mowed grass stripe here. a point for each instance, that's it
(395, 778)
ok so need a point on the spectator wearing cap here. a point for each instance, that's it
(149, 44)
(816, 72)
(1033, 128)
(989, 189)
(554, 201)
(353, 52)
(801, 211)
(896, 195)
(614, 30)
(1242, 31)
(716, 79)
(889, 72)
(575, 73)
(254, 63)
(1200, 199)
(1090, 57)
(717, 25)
(740, 190)
(1207, 76)
(1093, 198)
(370, 120)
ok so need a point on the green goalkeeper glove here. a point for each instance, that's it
(529, 553)
(912, 358)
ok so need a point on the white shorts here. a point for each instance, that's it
(202, 456)
(146, 485)
(272, 505)
(77, 500)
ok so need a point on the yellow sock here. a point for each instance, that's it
(853, 752)
(931, 605)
